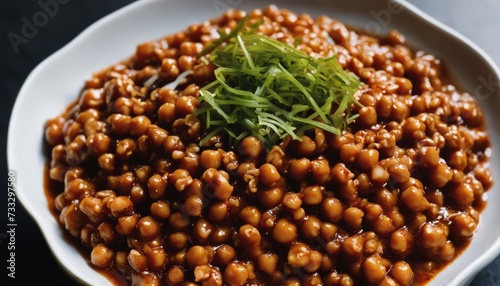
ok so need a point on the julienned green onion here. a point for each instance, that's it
(270, 89)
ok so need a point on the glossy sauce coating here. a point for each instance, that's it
(390, 201)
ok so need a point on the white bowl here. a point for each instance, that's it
(56, 82)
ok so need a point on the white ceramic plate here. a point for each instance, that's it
(56, 82)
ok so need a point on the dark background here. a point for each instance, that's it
(478, 20)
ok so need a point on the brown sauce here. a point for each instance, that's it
(421, 266)
(424, 269)
(51, 190)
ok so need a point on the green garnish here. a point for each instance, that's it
(269, 89)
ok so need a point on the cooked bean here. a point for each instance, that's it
(353, 217)
(304, 147)
(218, 211)
(413, 199)
(341, 174)
(349, 153)
(401, 272)
(368, 116)
(367, 158)
(251, 215)
(224, 254)
(193, 206)
(202, 230)
(145, 278)
(186, 105)
(218, 182)
(379, 175)
(175, 276)
(271, 197)
(440, 175)
(299, 169)
(235, 274)
(401, 242)
(208, 275)
(137, 261)
(196, 256)
(399, 173)
(101, 256)
(160, 209)
(157, 258)
(431, 236)
(373, 269)
(157, 135)
(298, 255)
(383, 225)
(178, 221)
(180, 179)
(147, 228)
(268, 262)
(284, 231)
(408, 174)
(139, 125)
(312, 195)
(332, 209)
(178, 240)
(211, 159)
(126, 224)
(463, 226)
(78, 189)
(268, 174)
(249, 235)
(311, 227)
(120, 206)
(251, 146)
(372, 211)
(320, 171)
(352, 247)
(462, 195)
(92, 207)
(54, 131)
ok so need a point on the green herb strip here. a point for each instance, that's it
(270, 89)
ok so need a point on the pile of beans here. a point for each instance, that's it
(390, 201)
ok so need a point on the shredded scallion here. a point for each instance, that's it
(270, 89)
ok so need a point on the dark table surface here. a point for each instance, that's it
(478, 20)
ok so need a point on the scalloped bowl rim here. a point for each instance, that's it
(26, 161)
